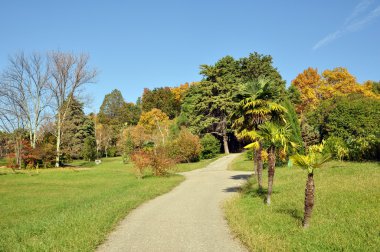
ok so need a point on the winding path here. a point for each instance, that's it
(189, 218)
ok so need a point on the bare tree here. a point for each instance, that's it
(68, 74)
(25, 85)
(11, 120)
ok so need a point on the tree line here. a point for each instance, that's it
(42, 120)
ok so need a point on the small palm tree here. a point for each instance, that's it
(276, 139)
(313, 160)
(256, 107)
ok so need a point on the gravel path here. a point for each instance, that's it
(189, 218)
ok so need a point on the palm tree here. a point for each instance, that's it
(314, 159)
(256, 107)
(276, 139)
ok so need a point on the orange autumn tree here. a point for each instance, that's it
(156, 123)
(339, 81)
(179, 92)
(314, 88)
(307, 84)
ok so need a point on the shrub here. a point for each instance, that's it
(249, 155)
(157, 159)
(141, 161)
(355, 119)
(210, 146)
(160, 161)
(337, 148)
(186, 148)
(112, 151)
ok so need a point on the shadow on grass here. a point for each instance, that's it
(293, 212)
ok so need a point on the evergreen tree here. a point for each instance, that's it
(76, 130)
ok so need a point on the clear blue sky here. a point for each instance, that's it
(137, 44)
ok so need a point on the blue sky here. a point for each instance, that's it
(137, 44)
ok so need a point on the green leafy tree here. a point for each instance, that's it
(115, 111)
(313, 160)
(207, 105)
(161, 98)
(257, 66)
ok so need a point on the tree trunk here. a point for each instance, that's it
(260, 167)
(225, 143)
(58, 145)
(271, 163)
(255, 162)
(309, 200)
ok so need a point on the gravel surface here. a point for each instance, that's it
(189, 218)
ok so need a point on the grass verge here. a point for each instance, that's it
(241, 163)
(71, 210)
(346, 214)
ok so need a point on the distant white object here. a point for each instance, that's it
(98, 161)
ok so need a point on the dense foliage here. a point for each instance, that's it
(352, 122)
(210, 146)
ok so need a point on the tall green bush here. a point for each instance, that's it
(355, 120)
(210, 146)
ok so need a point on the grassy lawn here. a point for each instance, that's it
(3, 162)
(70, 209)
(346, 214)
(241, 163)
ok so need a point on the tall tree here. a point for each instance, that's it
(308, 83)
(207, 105)
(25, 82)
(69, 73)
(314, 88)
(115, 111)
(161, 98)
(258, 105)
(77, 128)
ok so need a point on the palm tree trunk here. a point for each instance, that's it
(309, 200)
(254, 162)
(260, 167)
(271, 163)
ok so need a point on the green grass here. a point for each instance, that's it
(241, 163)
(3, 162)
(346, 214)
(184, 167)
(70, 209)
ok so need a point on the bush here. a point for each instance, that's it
(210, 146)
(354, 119)
(141, 161)
(157, 159)
(186, 148)
(112, 151)
(337, 148)
(249, 154)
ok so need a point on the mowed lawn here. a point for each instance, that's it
(71, 209)
(346, 214)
